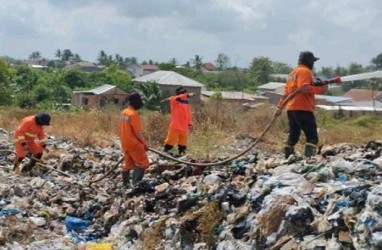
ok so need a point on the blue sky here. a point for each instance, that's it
(338, 31)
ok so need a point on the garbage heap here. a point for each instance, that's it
(259, 201)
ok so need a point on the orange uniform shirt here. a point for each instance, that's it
(28, 131)
(129, 127)
(180, 112)
(302, 101)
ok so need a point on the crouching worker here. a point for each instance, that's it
(133, 144)
(30, 138)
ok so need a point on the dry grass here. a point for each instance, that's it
(214, 124)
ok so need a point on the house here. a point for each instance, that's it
(134, 70)
(271, 90)
(235, 98)
(148, 69)
(274, 87)
(362, 95)
(206, 67)
(84, 66)
(100, 97)
(351, 111)
(333, 100)
(168, 81)
(41, 63)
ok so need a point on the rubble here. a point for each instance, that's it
(260, 201)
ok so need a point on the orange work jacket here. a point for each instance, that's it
(180, 112)
(129, 127)
(302, 101)
(29, 130)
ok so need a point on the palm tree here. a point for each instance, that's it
(102, 58)
(58, 54)
(197, 61)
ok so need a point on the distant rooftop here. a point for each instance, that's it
(98, 90)
(164, 77)
(334, 99)
(272, 85)
(234, 95)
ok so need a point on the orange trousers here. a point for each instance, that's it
(33, 148)
(175, 136)
(135, 157)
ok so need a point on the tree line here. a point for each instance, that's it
(23, 86)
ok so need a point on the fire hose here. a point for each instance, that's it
(253, 144)
(196, 164)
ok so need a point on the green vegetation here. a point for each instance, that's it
(47, 88)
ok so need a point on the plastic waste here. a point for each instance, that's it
(8, 211)
(99, 246)
(76, 224)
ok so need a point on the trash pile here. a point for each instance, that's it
(259, 201)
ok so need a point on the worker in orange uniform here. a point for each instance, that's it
(30, 138)
(133, 144)
(300, 108)
(180, 121)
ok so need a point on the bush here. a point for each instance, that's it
(366, 120)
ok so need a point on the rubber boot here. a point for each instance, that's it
(310, 150)
(167, 149)
(182, 150)
(288, 151)
(126, 179)
(16, 166)
(28, 167)
(138, 174)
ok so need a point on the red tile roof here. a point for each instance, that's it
(360, 95)
(151, 67)
(209, 66)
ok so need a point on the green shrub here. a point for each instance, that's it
(366, 120)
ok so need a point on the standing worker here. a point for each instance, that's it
(180, 121)
(300, 108)
(29, 130)
(133, 144)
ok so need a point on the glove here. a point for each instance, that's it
(277, 112)
(318, 82)
(146, 147)
(190, 128)
(336, 80)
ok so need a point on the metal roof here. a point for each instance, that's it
(334, 99)
(96, 91)
(163, 77)
(272, 85)
(349, 108)
(234, 95)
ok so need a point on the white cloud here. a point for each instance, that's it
(160, 30)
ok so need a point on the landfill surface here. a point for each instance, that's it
(259, 201)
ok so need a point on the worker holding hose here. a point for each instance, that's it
(304, 86)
